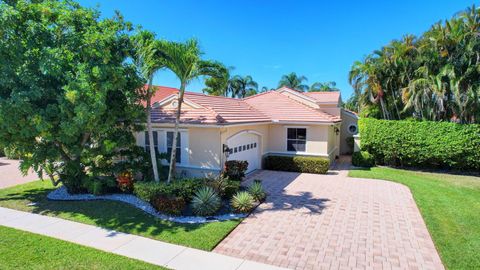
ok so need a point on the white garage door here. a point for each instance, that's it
(245, 146)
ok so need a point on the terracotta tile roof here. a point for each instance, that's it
(265, 107)
(212, 109)
(281, 108)
(324, 97)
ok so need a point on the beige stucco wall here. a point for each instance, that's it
(317, 139)
(347, 120)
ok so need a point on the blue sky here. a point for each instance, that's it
(267, 38)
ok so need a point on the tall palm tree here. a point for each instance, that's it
(149, 58)
(294, 81)
(184, 60)
(243, 86)
(323, 87)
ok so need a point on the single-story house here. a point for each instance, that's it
(215, 129)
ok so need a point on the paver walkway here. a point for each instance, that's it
(10, 174)
(133, 246)
(333, 222)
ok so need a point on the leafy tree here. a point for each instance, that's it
(323, 87)
(184, 59)
(294, 81)
(68, 99)
(149, 58)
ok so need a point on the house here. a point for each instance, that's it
(215, 129)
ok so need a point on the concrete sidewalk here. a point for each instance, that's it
(132, 246)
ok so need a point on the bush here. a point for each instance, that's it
(224, 187)
(231, 189)
(317, 165)
(125, 182)
(169, 205)
(98, 185)
(256, 190)
(205, 202)
(363, 159)
(242, 202)
(422, 143)
(235, 169)
(11, 153)
(350, 141)
(184, 188)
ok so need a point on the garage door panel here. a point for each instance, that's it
(245, 147)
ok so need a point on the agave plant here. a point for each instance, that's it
(205, 202)
(257, 192)
(242, 202)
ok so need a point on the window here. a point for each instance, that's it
(296, 139)
(235, 149)
(155, 142)
(255, 145)
(353, 129)
(244, 147)
(178, 156)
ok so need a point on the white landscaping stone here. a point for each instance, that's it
(61, 194)
(149, 250)
(193, 259)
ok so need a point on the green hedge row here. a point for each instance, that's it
(363, 159)
(317, 165)
(421, 143)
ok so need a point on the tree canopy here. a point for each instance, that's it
(68, 99)
(434, 76)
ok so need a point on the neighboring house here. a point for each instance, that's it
(215, 129)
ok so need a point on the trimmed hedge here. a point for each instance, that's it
(423, 144)
(317, 165)
(363, 159)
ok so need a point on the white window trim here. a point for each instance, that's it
(184, 146)
(285, 146)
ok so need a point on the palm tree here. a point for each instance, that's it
(294, 82)
(149, 58)
(220, 85)
(184, 59)
(323, 87)
(243, 86)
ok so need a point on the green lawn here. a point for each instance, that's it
(450, 206)
(24, 250)
(114, 215)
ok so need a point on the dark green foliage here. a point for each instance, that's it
(184, 188)
(235, 169)
(363, 159)
(169, 205)
(317, 165)
(224, 187)
(99, 186)
(350, 143)
(422, 143)
(206, 202)
(256, 190)
(231, 188)
(11, 153)
(242, 202)
(68, 96)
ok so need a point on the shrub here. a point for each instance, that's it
(183, 188)
(11, 153)
(422, 143)
(363, 159)
(169, 205)
(231, 189)
(125, 182)
(205, 202)
(242, 202)
(98, 185)
(350, 141)
(317, 165)
(256, 190)
(235, 169)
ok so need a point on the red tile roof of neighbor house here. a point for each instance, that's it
(264, 107)
(324, 97)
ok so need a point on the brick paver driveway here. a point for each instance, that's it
(10, 174)
(333, 222)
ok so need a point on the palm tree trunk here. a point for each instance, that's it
(173, 157)
(153, 155)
